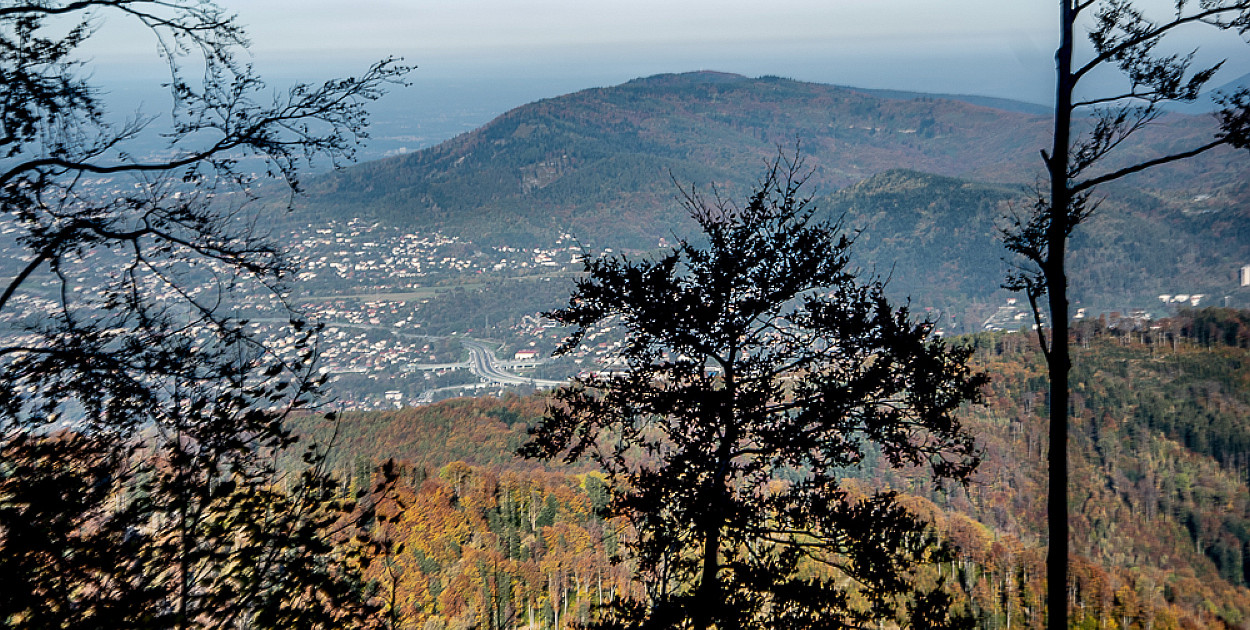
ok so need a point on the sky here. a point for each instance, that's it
(988, 47)
(928, 45)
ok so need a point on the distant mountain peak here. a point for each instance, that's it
(601, 163)
(696, 76)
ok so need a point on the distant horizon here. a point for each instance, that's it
(977, 48)
(277, 71)
(113, 76)
(982, 47)
(435, 109)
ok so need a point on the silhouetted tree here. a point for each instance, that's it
(1089, 127)
(757, 373)
(139, 424)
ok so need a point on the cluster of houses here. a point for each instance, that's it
(368, 283)
(367, 257)
(383, 277)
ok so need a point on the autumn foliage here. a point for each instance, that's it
(1160, 539)
(474, 547)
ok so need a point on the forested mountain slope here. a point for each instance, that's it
(601, 163)
(1161, 521)
(938, 240)
(605, 164)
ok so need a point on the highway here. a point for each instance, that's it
(483, 363)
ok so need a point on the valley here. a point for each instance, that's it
(502, 316)
(405, 259)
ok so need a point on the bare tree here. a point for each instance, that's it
(1089, 128)
(138, 422)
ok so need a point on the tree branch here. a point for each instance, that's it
(21, 277)
(1155, 33)
(1129, 170)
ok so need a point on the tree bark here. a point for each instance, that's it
(709, 597)
(1059, 361)
(709, 584)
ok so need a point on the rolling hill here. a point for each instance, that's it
(910, 171)
(937, 239)
(601, 163)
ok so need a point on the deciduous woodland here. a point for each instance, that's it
(1159, 466)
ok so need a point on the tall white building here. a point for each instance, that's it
(1245, 276)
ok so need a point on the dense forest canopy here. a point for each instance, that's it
(1159, 463)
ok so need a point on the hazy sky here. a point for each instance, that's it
(993, 47)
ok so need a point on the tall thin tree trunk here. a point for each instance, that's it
(1059, 357)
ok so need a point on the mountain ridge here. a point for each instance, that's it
(605, 164)
(601, 162)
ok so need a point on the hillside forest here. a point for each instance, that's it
(926, 182)
(1161, 538)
